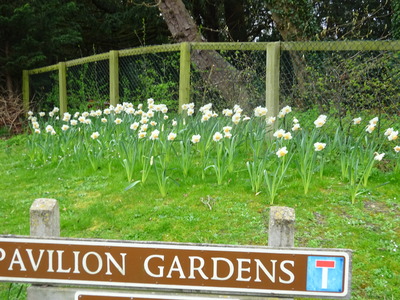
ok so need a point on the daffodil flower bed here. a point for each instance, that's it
(258, 148)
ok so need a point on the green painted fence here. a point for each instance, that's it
(277, 55)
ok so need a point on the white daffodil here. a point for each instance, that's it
(260, 111)
(95, 135)
(388, 131)
(271, 120)
(287, 136)
(319, 146)
(144, 127)
(142, 134)
(394, 135)
(66, 117)
(370, 128)
(236, 118)
(296, 127)
(378, 156)
(227, 112)
(281, 152)
(49, 128)
(196, 138)
(171, 136)
(217, 136)
(227, 129)
(155, 134)
(374, 121)
(134, 126)
(320, 121)
(227, 135)
(279, 133)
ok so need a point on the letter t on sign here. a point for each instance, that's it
(45, 218)
(325, 265)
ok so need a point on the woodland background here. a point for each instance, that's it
(36, 33)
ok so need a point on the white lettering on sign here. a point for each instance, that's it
(160, 269)
(287, 271)
(155, 266)
(17, 259)
(199, 268)
(176, 267)
(241, 269)
(2, 254)
(28, 259)
(60, 263)
(35, 264)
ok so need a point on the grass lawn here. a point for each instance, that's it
(95, 204)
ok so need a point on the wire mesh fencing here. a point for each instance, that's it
(334, 78)
(88, 85)
(153, 75)
(228, 77)
(44, 91)
(346, 84)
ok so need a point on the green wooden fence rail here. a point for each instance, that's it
(273, 54)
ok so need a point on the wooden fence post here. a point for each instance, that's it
(114, 77)
(281, 228)
(184, 75)
(25, 90)
(272, 78)
(62, 84)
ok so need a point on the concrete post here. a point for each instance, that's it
(45, 218)
(45, 222)
(281, 228)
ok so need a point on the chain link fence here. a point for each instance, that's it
(239, 80)
(88, 85)
(152, 75)
(343, 83)
(326, 77)
(44, 90)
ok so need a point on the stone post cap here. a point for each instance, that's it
(282, 214)
(44, 204)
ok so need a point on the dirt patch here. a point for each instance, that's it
(320, 219)
(378, 207)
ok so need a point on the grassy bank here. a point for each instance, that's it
(94, 203)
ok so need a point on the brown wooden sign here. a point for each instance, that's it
(203, 268)
(125, 296)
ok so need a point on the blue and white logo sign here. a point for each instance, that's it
(325, 274)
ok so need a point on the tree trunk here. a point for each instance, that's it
(287, 20)
(215, 70)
